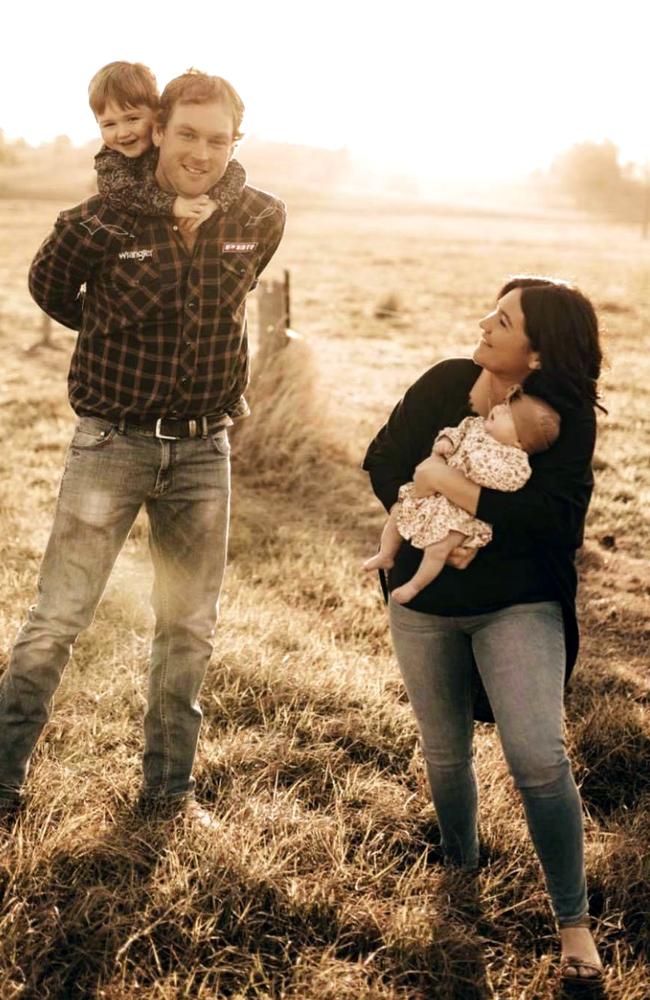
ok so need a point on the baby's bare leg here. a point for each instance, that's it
(433, 559)
(388, 546)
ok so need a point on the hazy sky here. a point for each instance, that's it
(438, 87)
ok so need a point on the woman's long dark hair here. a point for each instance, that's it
(562, 326)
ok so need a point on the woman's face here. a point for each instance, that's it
(504, 348)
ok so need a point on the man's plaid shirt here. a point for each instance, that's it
(162, 330)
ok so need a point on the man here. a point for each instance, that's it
(157, 376)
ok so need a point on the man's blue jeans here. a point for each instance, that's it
(185, 486)
(520, 655)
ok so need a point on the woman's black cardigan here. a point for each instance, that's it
(550, 508)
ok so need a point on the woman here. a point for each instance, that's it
(510, 613)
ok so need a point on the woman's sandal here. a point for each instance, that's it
(587, 975)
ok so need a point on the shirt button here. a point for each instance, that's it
(189, 343)
(175, 228)
(184, 379)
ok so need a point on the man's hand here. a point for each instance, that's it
(427, 476)
(460, 557)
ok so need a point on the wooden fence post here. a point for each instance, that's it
(45, 339)
(274, 316)
(46, 330)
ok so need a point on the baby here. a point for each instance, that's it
(123, 97)
(492, 452)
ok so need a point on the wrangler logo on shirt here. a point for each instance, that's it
(135, 254)
(237, 247)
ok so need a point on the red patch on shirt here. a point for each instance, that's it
(233, 247)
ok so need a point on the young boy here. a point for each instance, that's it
(124, 98)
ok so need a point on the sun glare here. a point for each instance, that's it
(426, 88)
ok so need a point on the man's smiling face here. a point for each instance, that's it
(195, 147)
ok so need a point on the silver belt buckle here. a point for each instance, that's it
(163, 437)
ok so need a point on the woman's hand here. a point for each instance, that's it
(428, 476)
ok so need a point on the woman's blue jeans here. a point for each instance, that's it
(185, 487)
(520, 655)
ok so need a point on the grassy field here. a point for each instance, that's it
(324, 881)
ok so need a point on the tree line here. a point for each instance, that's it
(591, 174)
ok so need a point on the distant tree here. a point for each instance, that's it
(7, 154)
(590, 173)
(61, 144)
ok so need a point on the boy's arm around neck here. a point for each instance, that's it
(130, 184)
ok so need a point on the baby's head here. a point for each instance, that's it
(123, 97)
(525, 422)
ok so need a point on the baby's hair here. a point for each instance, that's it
(126, 84)
(536, 422)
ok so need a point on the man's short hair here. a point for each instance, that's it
(195, 87)
(126, 84)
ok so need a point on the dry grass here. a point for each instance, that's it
(323, 882)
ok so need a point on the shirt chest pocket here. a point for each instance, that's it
(138, 292)
(237, 273)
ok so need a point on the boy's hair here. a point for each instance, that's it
(127, 84)
(195, 87)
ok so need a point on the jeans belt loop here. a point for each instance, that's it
(121, 427)
(204, 427)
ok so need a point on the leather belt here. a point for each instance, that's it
(169, 429)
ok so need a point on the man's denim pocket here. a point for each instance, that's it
(92, 432)
(220, 442)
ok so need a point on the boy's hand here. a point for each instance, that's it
(191, 223)
(189, 208)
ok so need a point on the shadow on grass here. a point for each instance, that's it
(569, 991)
(86, 907)
(615, 759)
(135, 908)
(457, 948)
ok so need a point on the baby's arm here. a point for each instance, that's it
(448, 441)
